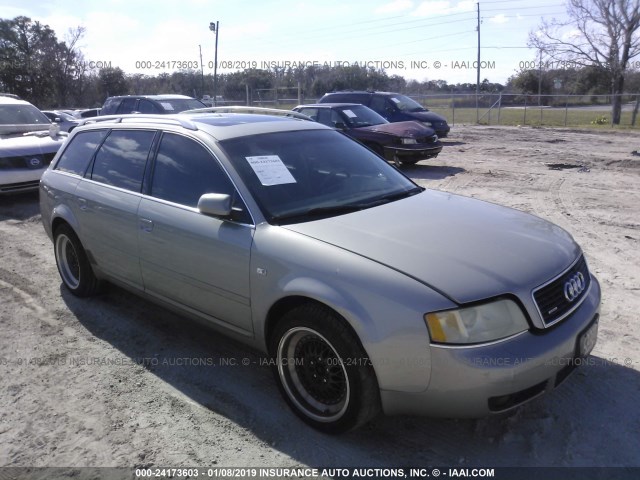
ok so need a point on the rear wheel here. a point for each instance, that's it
(73, 264)
(322, 371)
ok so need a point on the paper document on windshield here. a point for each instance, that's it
(270, 170)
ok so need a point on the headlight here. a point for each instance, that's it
(409, 141)
(427, 124)
(482, 323)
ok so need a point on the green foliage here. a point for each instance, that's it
(601, 120)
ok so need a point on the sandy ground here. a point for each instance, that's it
(103, 382)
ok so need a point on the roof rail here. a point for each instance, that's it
(242, 109)
(135, 117)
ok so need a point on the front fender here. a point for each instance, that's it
(384, 307)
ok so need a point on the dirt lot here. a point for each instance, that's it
(106, 381)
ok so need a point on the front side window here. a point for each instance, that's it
(184, 171)
(122, 158)
(127, 105)
(77, 156)
(379, 104)
(310, 112)
(146, 106)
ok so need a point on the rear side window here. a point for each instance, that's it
(122, 158)
(77, 156)
(185, 170)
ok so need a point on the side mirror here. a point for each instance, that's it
(341, 126)
(57, 120)
(215, 204)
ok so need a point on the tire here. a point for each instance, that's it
(73, 264)
(322, 370)
(376, 148)
(410, 162)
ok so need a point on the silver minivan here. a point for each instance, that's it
(368, 292)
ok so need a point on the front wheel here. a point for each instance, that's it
(73, 264)
(322, 371)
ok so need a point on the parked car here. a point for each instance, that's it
(368, 292)
(87, 113)
(65, 121)
(28, 143)
(149, 104)
(393, 107)
(402, 142)
(208, 100)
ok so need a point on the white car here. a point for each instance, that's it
(28, 143)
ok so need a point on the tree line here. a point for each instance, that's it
(54, 73)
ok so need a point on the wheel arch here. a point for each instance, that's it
(62, 214)
(285, 304)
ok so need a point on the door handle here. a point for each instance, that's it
(146, 225)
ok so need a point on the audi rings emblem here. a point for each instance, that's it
(574, 287)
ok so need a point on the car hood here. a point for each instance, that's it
(30, 144)
(464, 248)
(402, 129)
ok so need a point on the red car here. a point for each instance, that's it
(400, 142)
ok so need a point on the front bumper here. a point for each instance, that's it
(20, 180)
(471, 382)
(412, 152)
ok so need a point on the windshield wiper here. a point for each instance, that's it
(347, 208)
(391, 197)
(321, 211)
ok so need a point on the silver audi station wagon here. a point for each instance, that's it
(368, 292)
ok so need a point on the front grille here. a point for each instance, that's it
(35, 161)
(20, 187)
(556, 299)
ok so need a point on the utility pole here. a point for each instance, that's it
(478, 68)
(215, 28)
(201, 73)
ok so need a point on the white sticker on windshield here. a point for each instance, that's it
(350, 114)
(270, 170)
(166, 106)
(395, 100)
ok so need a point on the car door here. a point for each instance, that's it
(191, 259)
(108, 199)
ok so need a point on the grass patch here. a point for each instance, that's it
(536, 116)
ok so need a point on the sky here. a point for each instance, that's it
(417, 39)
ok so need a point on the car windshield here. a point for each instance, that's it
(17, 114)
(299, 176)
(176, 105)
(406, 104)
(361, 116)
(20, 118)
